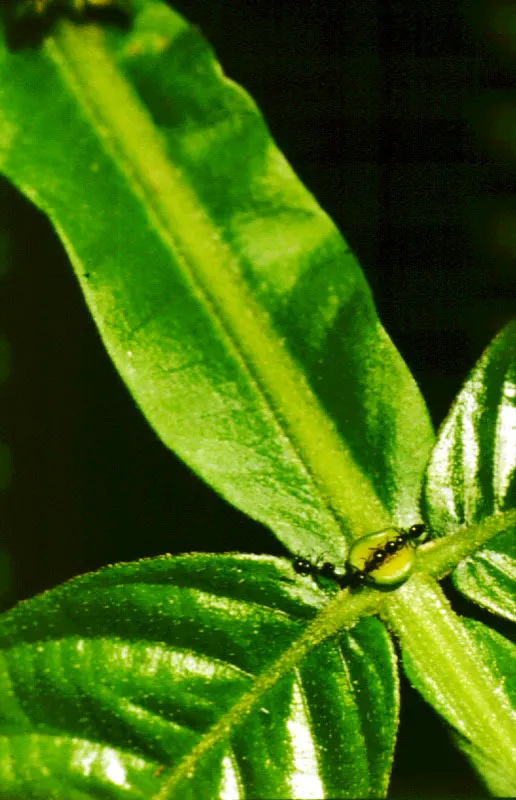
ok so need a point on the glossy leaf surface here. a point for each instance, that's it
(227, 299)
(109, 678)
(467, 682)
(500, 654)
(472, 473)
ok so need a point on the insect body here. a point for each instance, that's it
(382, 559)
(327, 570)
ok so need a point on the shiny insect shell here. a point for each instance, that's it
(384, 559)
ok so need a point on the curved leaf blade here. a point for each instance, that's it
(114, 676)
(228, 301)
(455, 674)
(472, 473)
(500, 654)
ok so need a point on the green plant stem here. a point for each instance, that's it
(441, 556)
(342, 613)
(421, 617)
(453, 678)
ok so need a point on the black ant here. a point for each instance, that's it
(353, 577)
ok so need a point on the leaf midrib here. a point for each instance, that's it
(125, 130)
(341, 613)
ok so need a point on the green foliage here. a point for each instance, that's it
(471, 474)
(226, 297)
(245, 330)
(135, 663)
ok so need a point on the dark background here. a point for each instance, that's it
(397, 116)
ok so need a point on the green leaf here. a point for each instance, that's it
(464, 677)
(113, 676)
(500, 654)
(472, 474)
(227, 299)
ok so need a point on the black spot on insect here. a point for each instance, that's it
(303, 566)
(416, 533)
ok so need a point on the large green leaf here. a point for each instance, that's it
(227, 299)
(472, 473)
(114, 676)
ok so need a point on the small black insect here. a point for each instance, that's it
(326, 570)
(304, 567)
(355, 576)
